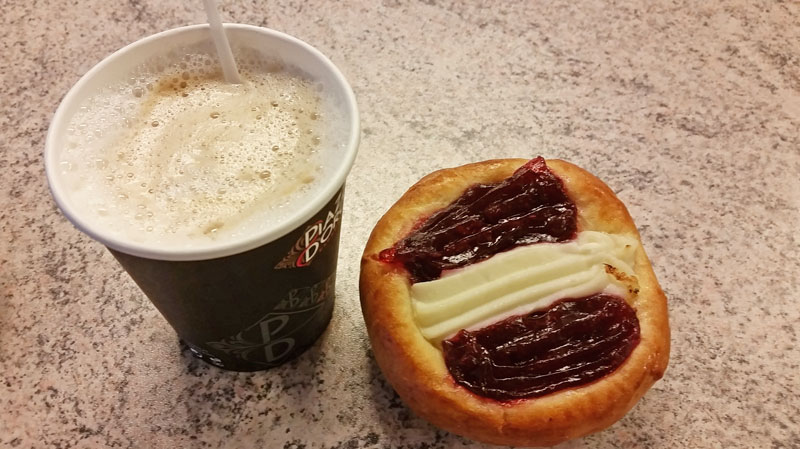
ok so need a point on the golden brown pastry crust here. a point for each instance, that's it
(416, 368)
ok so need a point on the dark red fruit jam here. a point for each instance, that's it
(529, 207)
(570, 344)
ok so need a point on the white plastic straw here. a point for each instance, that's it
(221, 42)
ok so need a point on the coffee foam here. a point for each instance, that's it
(174, 156)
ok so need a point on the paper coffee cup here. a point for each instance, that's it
(258, 299)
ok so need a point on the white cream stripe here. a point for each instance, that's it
(521, 280)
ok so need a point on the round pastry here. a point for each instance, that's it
(511, 302)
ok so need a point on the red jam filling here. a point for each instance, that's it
(574, 342)
(531, 206)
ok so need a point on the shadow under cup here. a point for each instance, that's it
(258, 301)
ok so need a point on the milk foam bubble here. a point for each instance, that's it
(175, 156)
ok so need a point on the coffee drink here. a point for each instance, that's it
(222, 201)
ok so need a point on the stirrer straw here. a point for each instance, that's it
(221, 42)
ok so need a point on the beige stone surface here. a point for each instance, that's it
(690, 111)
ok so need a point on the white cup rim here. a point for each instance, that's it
(304, 211)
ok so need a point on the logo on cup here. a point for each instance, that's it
(273, 337)
(315, 237)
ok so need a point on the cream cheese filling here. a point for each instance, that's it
(522, 280)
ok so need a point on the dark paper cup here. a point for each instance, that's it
(252, 302)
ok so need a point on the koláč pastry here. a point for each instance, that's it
(512, 302)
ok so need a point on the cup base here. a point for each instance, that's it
(248, 363)
(239, 366)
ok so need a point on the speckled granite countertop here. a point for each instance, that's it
(689, 110)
